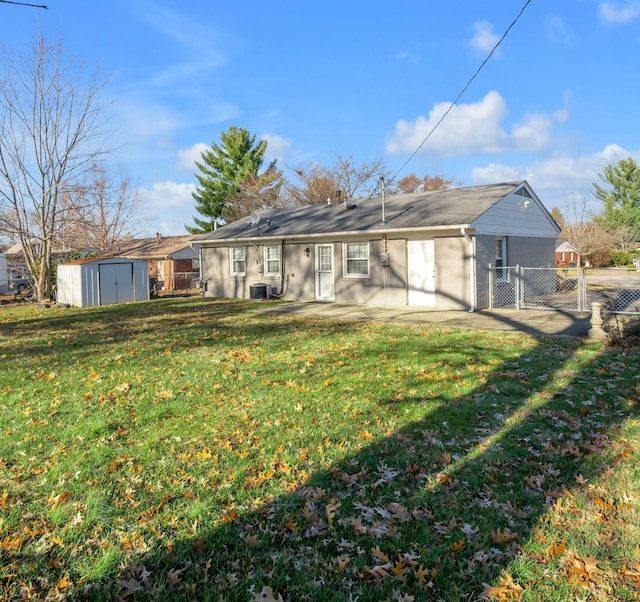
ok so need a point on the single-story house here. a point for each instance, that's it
(433, 249)
(567, 255)
(91, 282)
(173, 262)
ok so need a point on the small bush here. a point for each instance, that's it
(621, 258)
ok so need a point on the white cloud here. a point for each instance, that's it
(484, 38)
(169, 206)
(557, 31)
(277, 147)
(474, 128)
(620, 12)
(144, 120)
(201, 45)
(467, 129)
(406, 55)
(187, 158)
(559, 178)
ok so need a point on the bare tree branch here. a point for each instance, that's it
(49, 126)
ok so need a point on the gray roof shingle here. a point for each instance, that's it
(438, 208)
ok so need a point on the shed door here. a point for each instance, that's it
(116, 283)
(325, 281)
(422, 272)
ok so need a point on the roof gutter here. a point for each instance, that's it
(472, 269)
(452, 228)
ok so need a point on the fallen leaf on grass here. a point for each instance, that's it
(557, 548)
(581, 570)
(378, 554)
(266, 595)
(174, 576)
(457, 546)
(506, 590)
(505, 536)
(342, 562)
(631, 572)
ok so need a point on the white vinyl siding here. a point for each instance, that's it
(272, 261)
(238, 261)
(356, 259)
(515, 215)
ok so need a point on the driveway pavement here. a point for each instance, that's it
(536, 322)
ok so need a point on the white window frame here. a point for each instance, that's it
(501, 258)
(348, 261)
(268, 261)
(233, 259)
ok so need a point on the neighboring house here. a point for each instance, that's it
(17, 262)
(430, 249)
(173, 262)
(567, 254)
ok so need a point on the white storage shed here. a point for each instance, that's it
(90, 282)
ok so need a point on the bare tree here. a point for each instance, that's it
(48, 124)
(347, 179)
(625, 238)
(101, 211)
(591, 241)
(255, 192)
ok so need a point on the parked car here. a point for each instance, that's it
(19, 284)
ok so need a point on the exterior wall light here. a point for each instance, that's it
(307, 252)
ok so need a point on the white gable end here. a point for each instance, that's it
(516, 215)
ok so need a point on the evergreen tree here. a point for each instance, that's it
(621, 198)
(227, 171)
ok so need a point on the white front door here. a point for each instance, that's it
(325, 281)
(422, 272)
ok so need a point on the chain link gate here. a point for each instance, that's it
(551, 288)
(504, 289)
(567, 289)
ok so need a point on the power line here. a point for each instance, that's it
(455, 102)
(25, 4)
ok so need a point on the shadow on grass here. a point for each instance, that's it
(76, 333)
(431, 510)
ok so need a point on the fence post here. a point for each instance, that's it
(596, 331)
(490, 287)
(519, 285)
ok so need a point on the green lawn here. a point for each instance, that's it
(189, 449)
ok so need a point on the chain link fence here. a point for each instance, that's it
(568, 289)
(174, 283)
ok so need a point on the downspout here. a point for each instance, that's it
(203, 290)
(282, 270)
(472, 270)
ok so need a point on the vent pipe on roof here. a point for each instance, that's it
(384, 219)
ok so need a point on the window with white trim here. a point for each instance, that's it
(272, 260)
(356, 259)
(238, 262)
(501, 257)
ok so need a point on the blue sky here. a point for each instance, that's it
(556, 103)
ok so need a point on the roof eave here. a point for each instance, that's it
(338, 233)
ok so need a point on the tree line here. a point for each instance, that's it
(612, 235)
(232, 182)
